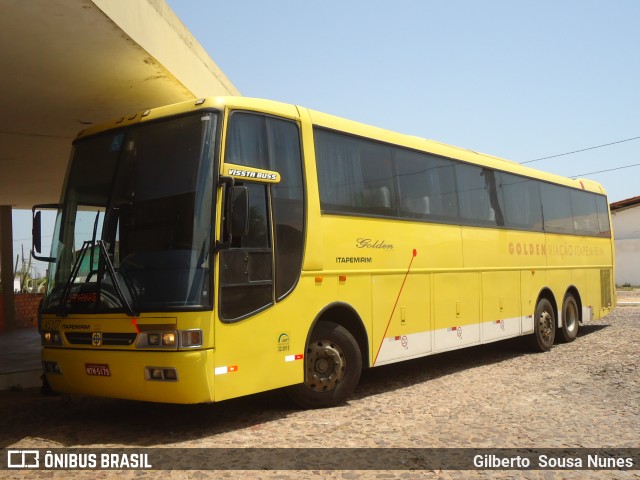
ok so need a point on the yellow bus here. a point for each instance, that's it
(227, 246)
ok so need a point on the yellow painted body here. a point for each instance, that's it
(416, 287)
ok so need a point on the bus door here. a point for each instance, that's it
(260, 327)
(246, 354)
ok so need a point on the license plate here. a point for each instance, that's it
(97, 369)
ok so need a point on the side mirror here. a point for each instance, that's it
(240, 211)
(36, 231)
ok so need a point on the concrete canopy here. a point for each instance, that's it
(69, 63)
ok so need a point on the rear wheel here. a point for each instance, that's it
(544, 327)
(570, 319)
(332, 368)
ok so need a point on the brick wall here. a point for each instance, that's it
(25, 308)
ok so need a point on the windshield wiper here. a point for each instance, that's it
(66, 292)
(102, 247)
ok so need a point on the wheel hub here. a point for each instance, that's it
(325, 366)
(571, 318)
(546, 325)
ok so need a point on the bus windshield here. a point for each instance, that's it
(134, 230)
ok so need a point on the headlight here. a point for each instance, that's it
(51, 338)
(169, 339)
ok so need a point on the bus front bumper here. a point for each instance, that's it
(183, 376)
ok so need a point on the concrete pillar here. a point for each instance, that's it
(6, 265)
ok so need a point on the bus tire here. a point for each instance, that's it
(570, 319)
(333, 364)
(544, 327)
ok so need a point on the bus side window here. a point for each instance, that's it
(585, 213)
(474, 199)
(556, 208)
(521, 200)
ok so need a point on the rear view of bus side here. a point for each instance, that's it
(437, 248)
(324, 246)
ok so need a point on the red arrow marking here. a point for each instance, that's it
(415, 253)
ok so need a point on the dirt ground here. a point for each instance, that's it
(628, 294)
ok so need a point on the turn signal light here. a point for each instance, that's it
(191, 338)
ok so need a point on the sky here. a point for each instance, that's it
(520, 80)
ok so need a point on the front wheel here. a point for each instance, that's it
(332, 368)
(570, 319)
(544, 327)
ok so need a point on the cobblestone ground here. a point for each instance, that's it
(581, 394)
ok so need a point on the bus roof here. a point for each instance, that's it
(343, 125)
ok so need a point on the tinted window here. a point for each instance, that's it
(585, 214)
(603, 216)
(288, 202)
(247, 141)
(274, 144)
(246, 272)
(354, 175)
(556, 208)
(521, 201)
(427, 185)
(358, 176)
(477, 195)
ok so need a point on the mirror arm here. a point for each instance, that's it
(228, 183)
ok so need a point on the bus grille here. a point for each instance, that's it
(109, 339)
(605, 288)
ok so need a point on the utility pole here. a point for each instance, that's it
(6, 265)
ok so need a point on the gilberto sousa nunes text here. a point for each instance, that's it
(595, 462)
